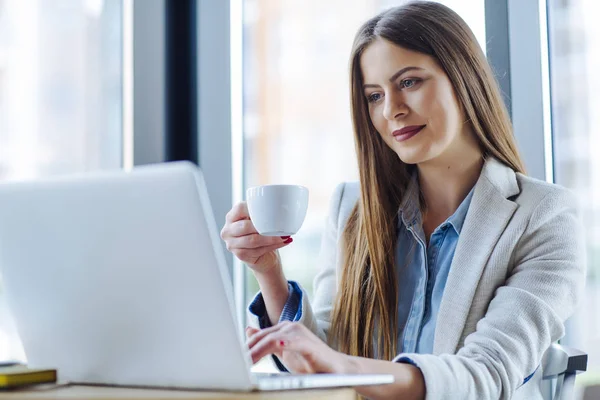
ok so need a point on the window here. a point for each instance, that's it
(297, 126)
(60, 96)
(574, 61)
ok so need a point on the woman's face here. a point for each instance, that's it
(412, 104)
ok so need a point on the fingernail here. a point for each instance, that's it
(281, 343)
(285, 237)
(288, 240)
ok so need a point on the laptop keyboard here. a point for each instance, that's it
(280, 381)
(261, 375)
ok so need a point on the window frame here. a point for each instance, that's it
(218, 106)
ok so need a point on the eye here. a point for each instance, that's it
(373, 97)
(409, 83)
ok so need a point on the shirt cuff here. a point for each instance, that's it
(530, 376)
(292, 310)
(407, 360)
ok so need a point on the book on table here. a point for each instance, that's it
(19, 375)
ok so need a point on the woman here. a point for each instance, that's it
(445, 266)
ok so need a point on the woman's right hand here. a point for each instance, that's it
(243, 240)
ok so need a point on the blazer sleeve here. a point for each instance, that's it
(317, 316)
(525, 316)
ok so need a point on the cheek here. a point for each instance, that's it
(445, 115)
(422, 100)
(377, 119)
(451, 115)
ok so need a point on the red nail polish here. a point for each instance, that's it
(288, 240)
(281, 343)
(285, 237)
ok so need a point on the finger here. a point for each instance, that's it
(285, 339)
(241, 228)
(272, 343)
(254, 254)
(238, 212)
(256, 241)
(258, 336)
(274, 247)
(251, 331)
(307, 353)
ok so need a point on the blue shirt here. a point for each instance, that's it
(422, 272)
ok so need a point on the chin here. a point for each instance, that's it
(417, 154)
(412, 157)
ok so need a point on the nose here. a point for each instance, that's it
(394, 107)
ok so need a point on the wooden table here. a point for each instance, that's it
(60, 392)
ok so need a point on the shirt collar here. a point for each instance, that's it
(458, 218)
(410, 210)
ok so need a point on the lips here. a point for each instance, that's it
(407, 132)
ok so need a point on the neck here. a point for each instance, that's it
(445, 183)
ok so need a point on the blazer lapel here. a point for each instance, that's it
(488, 215)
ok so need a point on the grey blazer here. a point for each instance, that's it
(516, 276)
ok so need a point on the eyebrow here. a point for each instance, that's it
(396, 75)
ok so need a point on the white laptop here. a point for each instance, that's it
(119, 278)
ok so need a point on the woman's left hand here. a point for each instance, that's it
(298, 348)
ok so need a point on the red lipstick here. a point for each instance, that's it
(407, 132)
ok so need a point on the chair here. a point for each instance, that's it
(560, 365)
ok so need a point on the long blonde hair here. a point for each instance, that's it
(368, 290)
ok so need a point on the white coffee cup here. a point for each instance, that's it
(277, 210)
